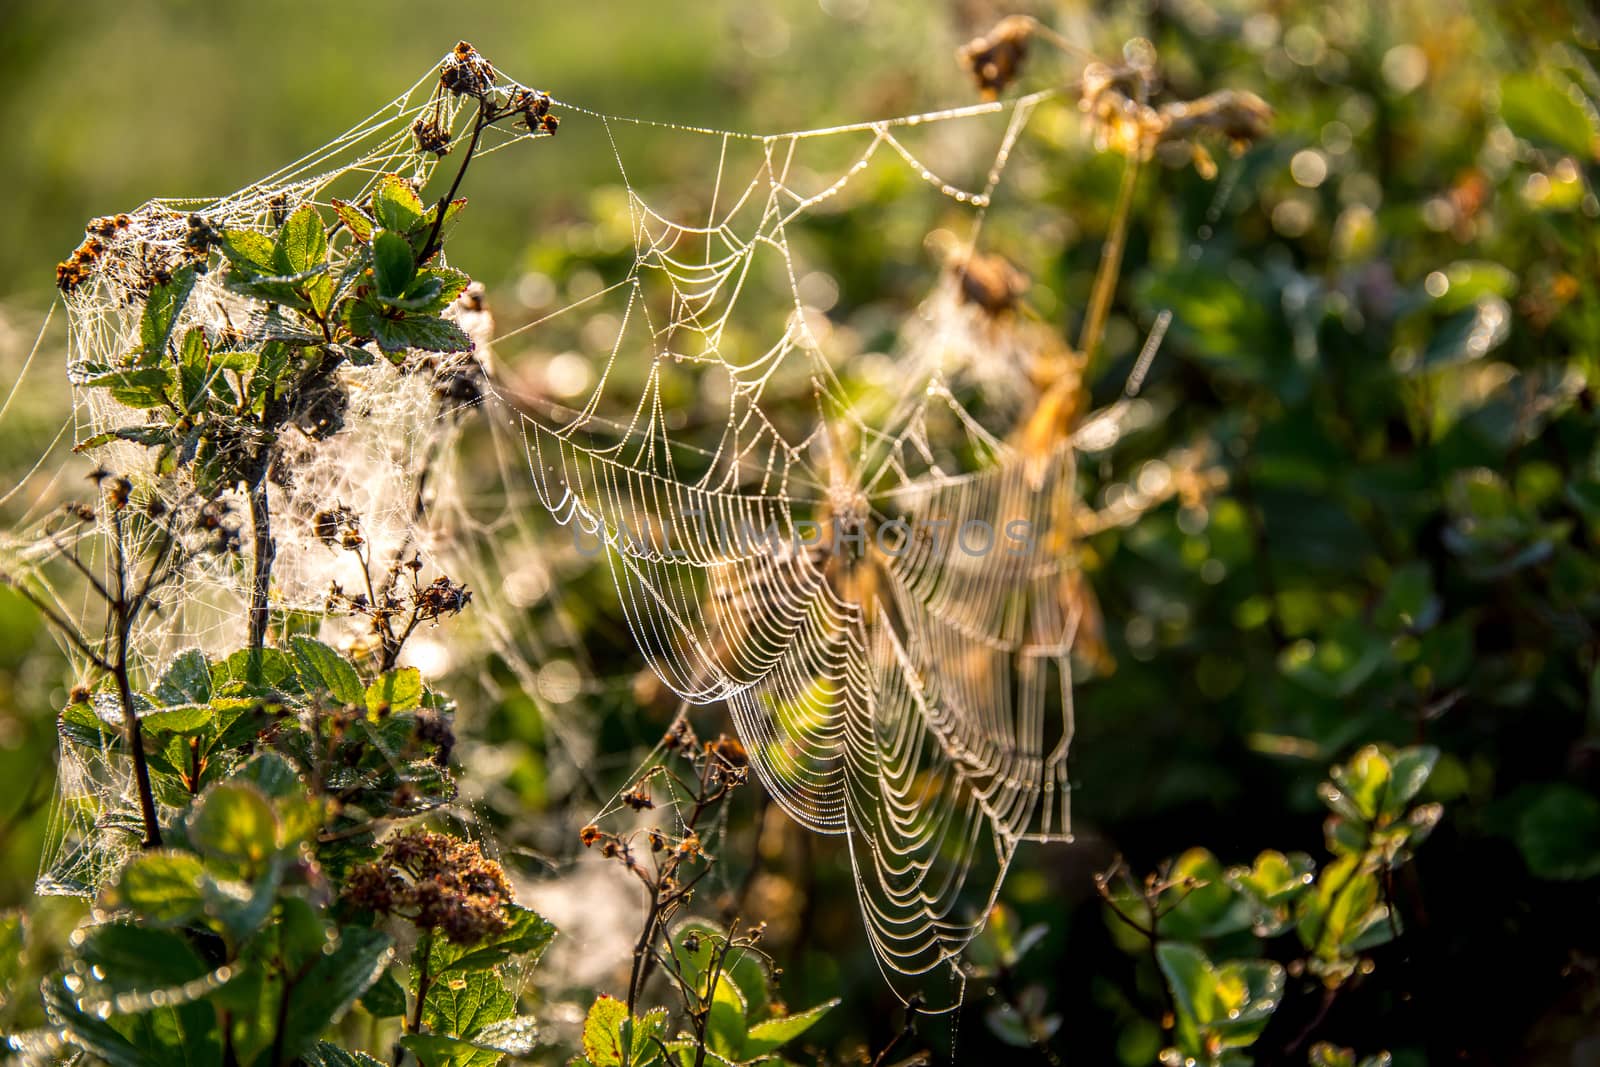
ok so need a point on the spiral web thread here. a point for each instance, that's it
(897, 676)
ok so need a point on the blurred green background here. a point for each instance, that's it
(1387, 343)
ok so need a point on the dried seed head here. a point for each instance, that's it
(995, 59)
(466, 72)
(435, 881)
(431, 137)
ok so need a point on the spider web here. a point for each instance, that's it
(869, 578)
(910, 692)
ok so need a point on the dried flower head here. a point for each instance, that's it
(436, 882)
(431, 136)
(1120, 119)
(443, 597)
(466, 72)
(995, 59)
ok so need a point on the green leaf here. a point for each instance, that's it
(332, 985)
(1559, 833)
(269, 371)
(465, 1003)
(327, 1054)
(249, 251)
(161, 312)
(1540, 111)
(397, 334)
(726, 1023)
(1218, 1008)
(436, 1050)
(302, 243)
(1408, 773)
(162, 887)
(234, 822)
(322, 668)
(194, 369)
(129, 959)
(526, 935)
(385, 999)
(514, 1036)
(139, 387)
(358, 222)
(92, 1034)
(396, 205)
(1200, 903)
(393, 263)
(431, 291)
(602, 1031)
(771, 1034)
(187, 679)
(271, 773)
(183, 719)
(396, 690)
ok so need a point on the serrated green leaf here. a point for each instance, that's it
(464, 1003)
(396, 205)
(248, 250)
(138, 387)
(327, 1054)
(187, 679)
(602, 1031)
(95, 1036)
(161, 312)
(396, 690)
(526, 936)
(437, 1050)
(183, 719)
(358, 222)
(322, 668)
(395, 334)
(302, 244)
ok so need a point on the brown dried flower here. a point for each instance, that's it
(436, 882)
(466, 72)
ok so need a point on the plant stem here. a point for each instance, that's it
(424, 979)
(264, 551)
(1105, 280)
(122, 622)
(480, 122)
